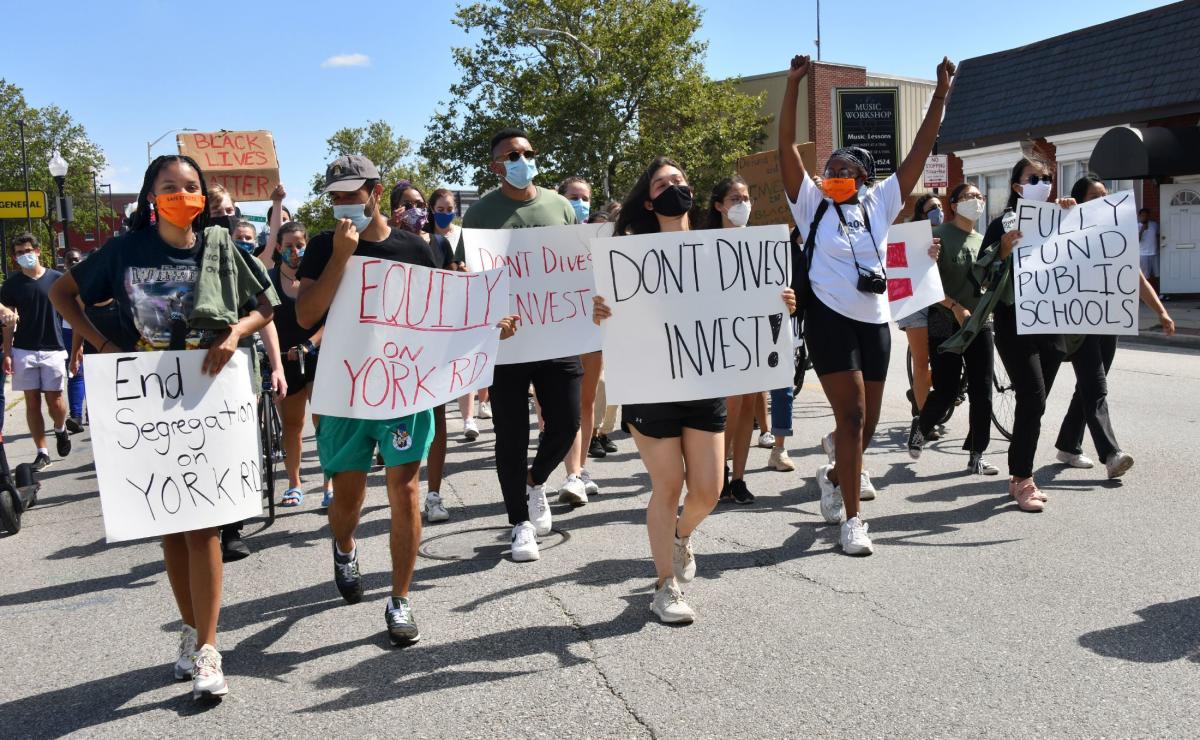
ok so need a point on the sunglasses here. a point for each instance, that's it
(515, 155)
(407, 204)
(1035, 179)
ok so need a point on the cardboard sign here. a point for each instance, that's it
(937, 171)
(696, 314)
(912, 275)
(1076, 270)
(175, 449)
(13, 204)
(550, 277)
(761, 173)
(244, 162)
(403, 338)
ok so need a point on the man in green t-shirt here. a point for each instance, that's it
(517, 204)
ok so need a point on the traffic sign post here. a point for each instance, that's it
(937, 171)
(13, 204)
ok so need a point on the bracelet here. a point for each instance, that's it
(939, 97)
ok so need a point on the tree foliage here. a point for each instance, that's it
(603, 119)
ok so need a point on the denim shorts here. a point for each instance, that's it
(918, 320)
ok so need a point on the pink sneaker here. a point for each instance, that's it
(1012, 489)
(1027, 495)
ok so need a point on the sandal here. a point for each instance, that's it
(292, 497)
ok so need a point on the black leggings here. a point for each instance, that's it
(556, 383)
(1089, 404)
(947, 369)
(1032, 361)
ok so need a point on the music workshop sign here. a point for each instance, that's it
(867, 117)
(695, 314)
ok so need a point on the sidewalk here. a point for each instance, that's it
(1185, 310)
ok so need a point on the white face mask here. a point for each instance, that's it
(1039, 192)
(969, 208)
(739, 213)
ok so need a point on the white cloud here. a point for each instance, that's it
(347, 60)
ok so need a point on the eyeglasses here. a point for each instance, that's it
(842, 173)
(1035, 179)
(969, 196)
(515, 155)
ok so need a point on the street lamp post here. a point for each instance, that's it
(112, 214)
(150, 144)
(96, 201)
(58, 170)
(25, 170)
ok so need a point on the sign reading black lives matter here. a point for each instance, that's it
(866, 117)
(1076, 269)
(175, 449)
(695, 314)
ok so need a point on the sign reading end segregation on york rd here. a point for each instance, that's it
(175, 449)
(1076, 270)
(696, 314)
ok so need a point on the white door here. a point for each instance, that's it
(1179, 260)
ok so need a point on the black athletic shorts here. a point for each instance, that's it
(664, 420)
(837, 343)
(296, 380)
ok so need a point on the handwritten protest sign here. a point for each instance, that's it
(761, 173)
(695, 314)
(1077, 269)
(403, 338)
(912, 275)
(175, 449)
(550, 276)
(244, 162)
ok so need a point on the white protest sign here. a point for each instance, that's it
(696, 314)
(912, 275)
(1076, 270)
(175, 449)
(550, 278)
(403, 338)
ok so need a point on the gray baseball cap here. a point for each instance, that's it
(349, 173)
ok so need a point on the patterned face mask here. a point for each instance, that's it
(414, 220)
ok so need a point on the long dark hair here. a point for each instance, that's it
(919, 207)
(141, 217)
(1079, 190)
(1015, 177)
(634, 218)
(712, 217)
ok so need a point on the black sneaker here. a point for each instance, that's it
(63, 441)
(739, 493)
(74, 425)
(912, 402)
(596, 449)
(401, 624)
(345, 575)
(606, 443)
(916, 440)
(233, 547)
(41, 462)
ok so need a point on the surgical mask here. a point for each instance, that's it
(1039, 192)
(443, 220)
(840, 189)
(739, 213)
(674, 201)
(969, 208)
(935, 216)
(520, 173)
(28, 261)
(356, 212)
(414, 220)
(247, 247)
(180, 209)
(582, 209)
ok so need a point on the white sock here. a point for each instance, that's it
(60, 430)
(43, 451)
(345, 554)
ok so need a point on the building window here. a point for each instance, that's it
(89, 236)
(1186, 198)
(1070, 172)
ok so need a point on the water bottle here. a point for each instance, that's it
(1009, 220)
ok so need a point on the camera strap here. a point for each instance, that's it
(853, 252)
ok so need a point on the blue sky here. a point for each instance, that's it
(132, 69)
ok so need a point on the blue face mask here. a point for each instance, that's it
(582, 210)
(935, 216)
(520, 173)
(443, 220)
(247, 247)
(29, 260)
(299, 256)
(356, 212)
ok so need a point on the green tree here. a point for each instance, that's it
(647, 94)
(47, 129)
(378, 142)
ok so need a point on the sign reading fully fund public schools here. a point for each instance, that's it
(867, 117)
(12, 204)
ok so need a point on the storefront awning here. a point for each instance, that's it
(1157, 151)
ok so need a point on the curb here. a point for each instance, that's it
(1155, 338)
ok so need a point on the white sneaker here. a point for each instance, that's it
(866, 489)
(573, 491)
(524, 543)
(766, 440)
(833, 509)
(539, 510)
(485, 410)
(1075, 461)
(684, 560)
(470, 430)
(187, 653)
(780, 461)
(854, 538)
(435, 510)
(207, 678)
(669, 605)
(827, 445)
(589, 485)
(1118, 464)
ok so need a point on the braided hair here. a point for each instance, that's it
(141, 217)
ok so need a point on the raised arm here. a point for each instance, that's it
(316, 296)
(791, 167)
(913, 165)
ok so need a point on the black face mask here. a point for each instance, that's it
(227, 222)
(674, 201)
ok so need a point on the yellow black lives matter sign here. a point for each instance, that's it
(12, 204)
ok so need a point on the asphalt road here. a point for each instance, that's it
(972, 618)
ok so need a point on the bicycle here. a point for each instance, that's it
(1004, 397)
(270, 432)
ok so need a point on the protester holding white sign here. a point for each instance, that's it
(716, 294)
(176, 287)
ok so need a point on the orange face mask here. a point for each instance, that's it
(180, 209)
(840, 189)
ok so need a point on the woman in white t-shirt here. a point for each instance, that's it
(846, 324)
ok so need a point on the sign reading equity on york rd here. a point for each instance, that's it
(867, 117)
(244, 162)
(403, 338)
(1076, 270)
(696, 314)
(175, 449)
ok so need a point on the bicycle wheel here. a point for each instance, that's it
(908, 363)
(1004, 399)
(267, 459)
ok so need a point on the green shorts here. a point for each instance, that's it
(345, 445)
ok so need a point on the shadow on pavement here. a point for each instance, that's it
(1168, 631)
